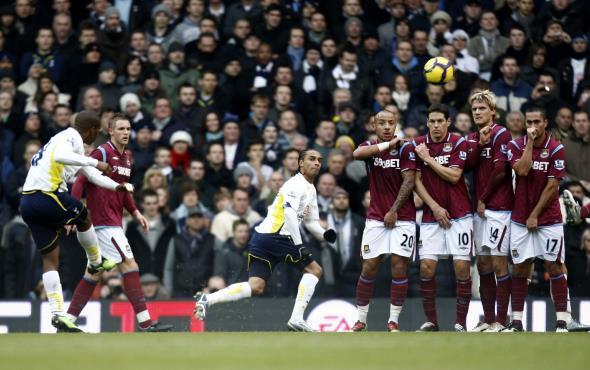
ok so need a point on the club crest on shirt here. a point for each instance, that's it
(447, 147)
(559, 164)
(393, 152)
(544, 153)
(366, 248)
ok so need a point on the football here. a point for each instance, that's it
(438, 70)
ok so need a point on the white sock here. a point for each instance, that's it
(563, 316)
(234, 292)
(89, 242)
(54, 292)
(394, 312)
(517, 315)
(143, 316)
(363, 312)
(304, 293)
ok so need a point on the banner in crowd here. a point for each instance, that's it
(265, 314)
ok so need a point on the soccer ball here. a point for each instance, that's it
(438, 70)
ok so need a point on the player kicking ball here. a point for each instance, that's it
(278, 239)
(390, 227)
(106, 211)
(47, 207)
(494, 199)
(447, 223)
(537, 230)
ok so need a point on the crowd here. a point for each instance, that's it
(222, 96)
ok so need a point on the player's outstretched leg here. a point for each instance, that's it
(574, 212)
(309, 280)
(88, 240)
(230, 293)
(81, 295)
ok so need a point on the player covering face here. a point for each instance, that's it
(446, 227)
(390, 227)
(278, 239)
(494, 199)
(536, 230)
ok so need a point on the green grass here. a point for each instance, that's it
(359, 351)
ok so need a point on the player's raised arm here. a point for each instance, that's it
(95, 177)
(522, 166)
(370, 150)
(449, 174)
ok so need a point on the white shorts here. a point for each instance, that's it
(113, 243)
(456, 241)
(492, 233)
(378, 240)
(546, 243)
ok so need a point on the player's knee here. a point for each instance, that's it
(370, 268)
(257, 286)
(484, 265)
(399, 269)
(553, 268)
(128, 264)
(317, 270)
(500, 267)
(427, 270)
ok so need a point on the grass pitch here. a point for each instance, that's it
(281, 351)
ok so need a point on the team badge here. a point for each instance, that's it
(366, 248)
(393, 152)
(412, 156)
(559, 164)
(128, 248)
(462, 155)
(514, 253)
(447, 147)
(503, 148)
(544, 153)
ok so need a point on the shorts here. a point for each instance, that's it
(378, 240)
(546, 243)
(113, 243)
(46, 214)
(456, 241)
(268, 250)
(492, 233)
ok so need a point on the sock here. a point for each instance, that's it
(397, 293)
(503, 297)
(463, 289)
(428, 293)
(585, 212)
(81, 296)
(362, 313)
(89, 242)
(54, 293)
(304, 294)
(132, 288)
(559, 293)
(364, 291)
(519, 292)
(487, 293)
(231, 293)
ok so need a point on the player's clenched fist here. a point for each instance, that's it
(484, 135)
(422, 152)
(125, 187)
(531, 132)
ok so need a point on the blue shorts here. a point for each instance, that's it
(267, 250)
(46, 214)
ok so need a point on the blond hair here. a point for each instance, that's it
(484, 96)
(151, 173)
